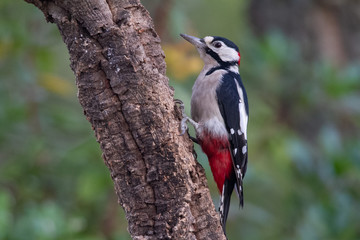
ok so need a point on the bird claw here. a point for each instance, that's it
(185, 119)
(183, 126)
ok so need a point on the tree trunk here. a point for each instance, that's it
(120, 74)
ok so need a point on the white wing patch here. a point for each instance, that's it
(244, 149)
(243, 115)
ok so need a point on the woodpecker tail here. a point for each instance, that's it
(222, 167)
(240, 192)
(239, 175)
(227, 190)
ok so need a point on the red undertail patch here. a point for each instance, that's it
(217, 151)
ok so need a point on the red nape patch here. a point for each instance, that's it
(239, 58)
(217, 151)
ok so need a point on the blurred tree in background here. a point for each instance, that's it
(301, 67)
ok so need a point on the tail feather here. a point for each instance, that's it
(225, 200)
(238, 178)
(240, 193)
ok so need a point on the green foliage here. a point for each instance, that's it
(304, 144)
(53, 183)
(304, 140)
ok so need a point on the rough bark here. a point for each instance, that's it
(120, 74)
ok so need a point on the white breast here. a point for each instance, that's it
(204, 105)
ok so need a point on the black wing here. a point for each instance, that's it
(228, 96)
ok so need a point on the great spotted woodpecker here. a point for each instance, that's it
(220, 113)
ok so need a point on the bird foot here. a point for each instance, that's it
(185, 119)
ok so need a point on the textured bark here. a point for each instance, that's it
(120, 73)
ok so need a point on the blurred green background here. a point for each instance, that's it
(300, 66)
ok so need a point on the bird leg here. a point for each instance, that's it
(185, 119)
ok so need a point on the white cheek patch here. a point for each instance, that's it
(228, 54)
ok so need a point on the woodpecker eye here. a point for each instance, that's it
(217, 44)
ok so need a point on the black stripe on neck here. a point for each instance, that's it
(214, 69)
(222, 64)
(226, 68)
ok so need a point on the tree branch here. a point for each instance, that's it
(116, 56)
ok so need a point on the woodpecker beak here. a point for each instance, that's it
(197, 42)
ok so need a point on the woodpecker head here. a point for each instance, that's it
(215, 50)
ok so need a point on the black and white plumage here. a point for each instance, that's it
(233, 105)
(219, 106)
